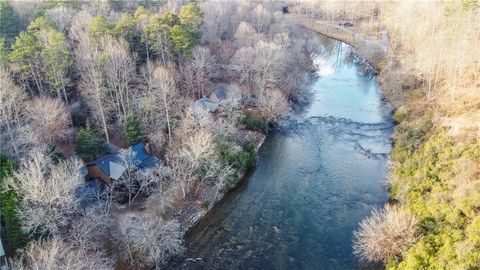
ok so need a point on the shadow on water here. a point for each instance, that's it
(316, 178)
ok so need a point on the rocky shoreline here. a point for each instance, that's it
(194, 208)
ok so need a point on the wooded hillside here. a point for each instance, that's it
(431, 74)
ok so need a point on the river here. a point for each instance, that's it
(317, 177)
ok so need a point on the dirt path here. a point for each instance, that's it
(350, 35)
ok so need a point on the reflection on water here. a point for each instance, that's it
(316, 178)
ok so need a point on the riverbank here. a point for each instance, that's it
(299, 207)
(436, 154)
(190, 210)
(374, 48)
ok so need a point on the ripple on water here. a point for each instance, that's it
(316, 178)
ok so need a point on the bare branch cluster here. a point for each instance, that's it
(386, 233)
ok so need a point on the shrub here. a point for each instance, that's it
(437, 183)
(255, 122)
(400, 114)
(246, 158)
(385, 234)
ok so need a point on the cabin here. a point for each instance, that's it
(206, 104)
(110, 168)
(223, 91)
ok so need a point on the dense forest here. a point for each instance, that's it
(431, 74)
(196, 84)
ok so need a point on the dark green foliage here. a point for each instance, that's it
(185, 30)
(116, 5)
(409, 133)
(25, 47)
(99, 27)
(88, 146)
(231, 182)
(191, 18)
(169, 19)
(3, 52)
(10, 22)
(9, 203)
(6, 167)
(127, 28)
(426, 181)
(244, 159)
(55, 154)
(40, 23)
(255, 122)
(132, 129)
(182, 42)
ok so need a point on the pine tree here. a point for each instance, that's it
(57, 61)
(10, 22)
(88, 146)
(132, 129)
(191, 17)
(9, 203)
(182, 42)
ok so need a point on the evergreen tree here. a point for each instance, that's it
(132, 129)
(57, 60)
(191, 18)
(182, 42)
(99, 27)
(88, 146)
(3, 52)
(9, 203)
(24, 49)
(10, 22)
(127, 28)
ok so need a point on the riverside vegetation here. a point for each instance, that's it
(431, 74)
(80, 80)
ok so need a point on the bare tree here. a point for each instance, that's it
(61, 16)
(385, 234)
(47, 191)
(265, 64)
(198, 72)
(183, 172)
(162, 198)
(220, 21)
(90, 232)
(128, 179)
(12, 97)
(246, 36)
(49, 118)
(149, 180)
(55, 254)
(119, 74)
(152, 241)
(165, 92)
(272, 104)
(261, 18)
(89, 60)
(199, 147)
(232, 106)
(243, 62)
(79, 25)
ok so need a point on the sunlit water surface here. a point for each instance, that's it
(316, 178)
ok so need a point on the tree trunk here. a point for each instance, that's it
(168, 119)
(10, 133)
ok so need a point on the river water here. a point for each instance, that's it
(317, 177)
